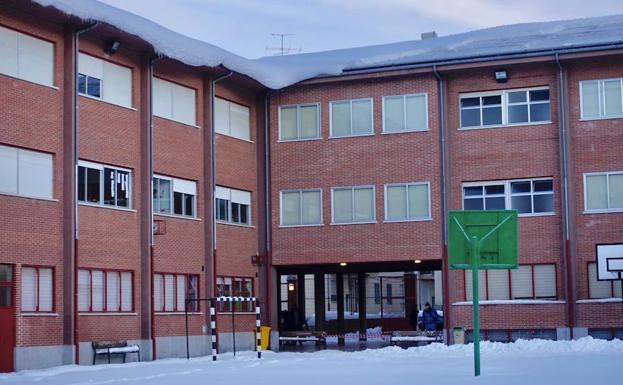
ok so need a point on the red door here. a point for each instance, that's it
(7, 318)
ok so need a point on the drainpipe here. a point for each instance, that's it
(76, 125)
(564, 167)
(269, 256)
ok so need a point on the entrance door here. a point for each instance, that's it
(7, 318)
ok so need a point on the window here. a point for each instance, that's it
(174, 196)
(389, 294)
(231, 119)
(407, 201)
(531, 196)
(25, 173)
(235, 287)
(301, 207)
(601, 99)
(26, 57)
(175, 102)
(405, 113)
(105, 291)
(233, 206)
(351, 118)
(104, 80)
(353, 204)
(299, 122)
(505, 107)
(37, 289)
(525, 282)
(603, 191)
(601, 289)
(172, 290)
(103, 185)
(377, 293)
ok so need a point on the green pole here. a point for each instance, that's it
(475, 307)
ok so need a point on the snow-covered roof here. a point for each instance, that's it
(281, 71)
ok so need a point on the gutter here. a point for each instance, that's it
(267, 208)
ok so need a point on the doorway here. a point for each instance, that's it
(7, 317)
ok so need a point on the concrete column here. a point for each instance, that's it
(340, 307)
(319, 297)
(361, 296)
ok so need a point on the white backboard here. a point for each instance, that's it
(609, 261)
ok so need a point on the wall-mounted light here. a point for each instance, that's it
(343, 264)
(291, 286)
(501, 76)
(418, 261)
(112, 46)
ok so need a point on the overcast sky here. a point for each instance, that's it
(245, 26)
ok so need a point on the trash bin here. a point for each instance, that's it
(265, 332)
(459, 335)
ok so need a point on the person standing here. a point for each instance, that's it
(430, 318)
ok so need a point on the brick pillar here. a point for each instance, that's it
(319, 297)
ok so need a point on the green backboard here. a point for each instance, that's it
(497, 232)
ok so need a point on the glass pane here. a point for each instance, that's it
(94, 87)
(290, 208)
(543, 185)
(394, 113)
(544, 203)
(498, 203)
(596, 194)
(164, 196)
(522, 203)
(82, 84)
(340, 118)
(222, 214)
(362, 117)
(590, 99)
(491, 100)
(491, 115)
(517, 97)
(189, 205)
(416, 112)
(616, 191)
(470, 118)
(539, 112)
(418, 201)
(81, 183)
(364, 204)
(518, 114)
(342, 205)
(235, 212)
(178, 203)
(93, 185)
(473, 190)
(6, 273)
(309, 122)
(396, 202)
(520, 187)
(311, 207)
(288, 123)
(539, 95)
(473, 204)
(470, 102)
(494, 189)
(244, 214)
(612, 93)
(6, 297)
(123, 188)
(109, 186)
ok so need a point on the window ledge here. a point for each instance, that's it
(295, 226)
(352, 223)
(29, 197)
(404, 131)
(36, 314)
(536, 215)
(600, 300)
(106, 207)
(601, 118)
(178, 217)
(605, 211)
(297, 140)
(408, 220)
(107, 102)
(504, 126)
(177, 313)
(234, 224)
(234, 137)
(31, 82)
(177, 121)
(512, 302)
(106, 313)
(350, 136)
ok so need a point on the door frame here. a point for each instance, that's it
(13, 287)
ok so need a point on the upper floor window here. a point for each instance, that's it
(171, 291)
(101, 79)
(351, 117)
(233, 206)
(37, 289)
(301, 207)
(232, 119)
(175, 102)
(505, 107)
(405, 113)
(353, 204)
(410, 201)
(525, 282)
(26, 57)
(174, 196)
(104, 185)
(532, 196)
(601, 98)
(104, 291)
(25, 173)
(299, 122)
(603, 191)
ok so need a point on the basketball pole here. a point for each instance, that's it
(475, 243)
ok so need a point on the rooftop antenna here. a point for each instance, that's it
(280, 51)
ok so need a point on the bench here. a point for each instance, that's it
(302, 336)
(109, 348)
(416, 336)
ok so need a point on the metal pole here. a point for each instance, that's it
(186, 315)
(233, 326)
(475, 307)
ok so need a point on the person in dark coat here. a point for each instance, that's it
(430, 318)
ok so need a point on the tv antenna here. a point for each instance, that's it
(281, 50)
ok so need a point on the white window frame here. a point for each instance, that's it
(598, 211)
(353, 188)
(300, 191)
(20, 75)
(408, 219)
(371, 133)
(172, 197)
(298, 121)
(105, 273)
(229, 220)
(17, 173)
(508, 194)
(504, 104)
(228, 133)
(404, 106)
(601, 93)
(483, 284)
(100, 167)
(37, 269)
(170, 117)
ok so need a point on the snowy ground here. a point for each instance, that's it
(585, 361)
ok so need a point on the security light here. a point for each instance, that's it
(343, 264)
(501, 76)
(112, 46)
(418, 261)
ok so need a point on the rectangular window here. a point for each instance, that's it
(405, 202)
(301, 207)
(171, 291)
(525, 282)
(531, 196)
(377, 293)
(233, 206)
(104, 185)
(105, 291)
(351, 117)
(37, 289)
(353, 204)
(25, 173)
(175, 102)
(601, 98)
(389, 294)
(173, 196)
(26, 57)
(505, 107)
(601, 289)
(405, 113)
(603, 191)
(299, 122)
(232, 119)
(235, 287)
(104, 80)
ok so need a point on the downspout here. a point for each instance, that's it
(444, 199)
(564, 167)
(267, 190)
(76, 125)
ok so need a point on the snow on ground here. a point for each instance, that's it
(535, 362)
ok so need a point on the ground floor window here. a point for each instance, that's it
(536, 281)
(601, 289)
(37, 289)
(235, 287)
(105, 290)
(172, 290)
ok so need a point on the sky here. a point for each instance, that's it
(244, 27)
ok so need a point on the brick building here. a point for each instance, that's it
(327, 192)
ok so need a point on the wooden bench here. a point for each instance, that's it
(109, 348)
(418, 337)
(302, 336)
